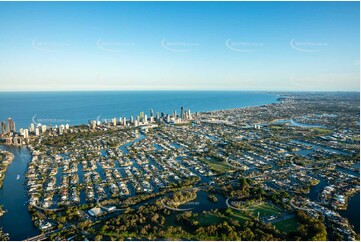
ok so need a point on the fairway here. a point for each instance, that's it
(238, 215)
(288, 225)
(209, 219)
(217, 165)
(266, 209)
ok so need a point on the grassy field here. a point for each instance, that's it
(238, 215)
(275, 127)
(288, 225)
(209, 219)
(217, 165)
(322, 130)
(266, 209)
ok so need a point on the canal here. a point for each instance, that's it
(17, 221)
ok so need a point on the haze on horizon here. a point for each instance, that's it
(273, 46)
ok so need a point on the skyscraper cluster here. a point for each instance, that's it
(144, 119)
(8, 132)
(9, 127)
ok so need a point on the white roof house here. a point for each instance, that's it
(95, 211)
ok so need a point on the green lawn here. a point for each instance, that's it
(275, 127)
(218, 165)
(266, 209)
(209, 219)
(238, 215)
(322, 130)
(288, 225)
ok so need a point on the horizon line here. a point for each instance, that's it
(176, 90)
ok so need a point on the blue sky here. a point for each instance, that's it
(310, 46)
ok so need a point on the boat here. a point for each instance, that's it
(18, 177)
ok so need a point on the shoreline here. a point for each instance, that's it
(9, 158)
(237, 104)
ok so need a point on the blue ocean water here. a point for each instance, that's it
(79, 107)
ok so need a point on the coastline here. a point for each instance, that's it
(60, 108)
(9, 157)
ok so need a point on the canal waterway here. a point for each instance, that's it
(17, 221)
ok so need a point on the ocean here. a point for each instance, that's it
(74, 108)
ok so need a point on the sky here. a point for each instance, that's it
(271, 46)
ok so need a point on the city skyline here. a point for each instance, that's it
(280, 46)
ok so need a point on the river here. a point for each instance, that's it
(17, 221)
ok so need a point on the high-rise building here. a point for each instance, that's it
(26, 133)
(182, 113)
(37, 132)
(32, 127)
(11, 125)
(125, 121)
(21, 131)
(131, 119)
(141, 116)
(151, 113)
(114, 121)
(61, 128)
(43, 128)
(67, 126)
(3, 127)
(157, 116)
(145, 119)
(93, 124)
(174, 114)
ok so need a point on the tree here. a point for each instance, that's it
(244, 184)
(155, 217)
(99, 237)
